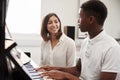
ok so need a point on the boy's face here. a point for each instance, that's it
(83, 21)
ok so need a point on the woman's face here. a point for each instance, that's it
(53, 25)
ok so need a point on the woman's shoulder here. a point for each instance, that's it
(44, 42)
(67, 39)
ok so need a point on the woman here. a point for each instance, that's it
(56, 49)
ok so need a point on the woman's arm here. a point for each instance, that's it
(71, 54)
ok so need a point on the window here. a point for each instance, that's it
(23, 16)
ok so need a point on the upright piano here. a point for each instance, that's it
(23, 67)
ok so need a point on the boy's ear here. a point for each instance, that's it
(92, 19)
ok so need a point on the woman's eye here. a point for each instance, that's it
(56, 21)
(49, 22)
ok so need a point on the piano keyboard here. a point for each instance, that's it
(32, 73)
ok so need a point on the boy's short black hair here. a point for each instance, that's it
(95, 8)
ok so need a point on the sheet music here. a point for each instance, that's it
(8, 43)
(23, 57)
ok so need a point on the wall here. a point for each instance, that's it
(67, 10)
(112, 24)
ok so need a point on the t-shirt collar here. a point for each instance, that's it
(97, 38)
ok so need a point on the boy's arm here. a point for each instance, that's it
(72, 70)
